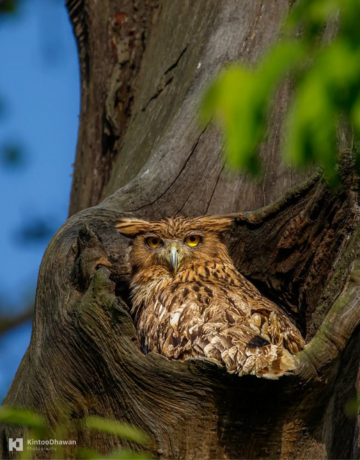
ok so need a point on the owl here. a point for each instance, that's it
(188, 299)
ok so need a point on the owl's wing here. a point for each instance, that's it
(198, 319)
(265, 318)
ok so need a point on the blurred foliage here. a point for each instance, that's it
(8, 6)
(122, 430)
(12, 156)
(2, 107)
(23, 417)
(8, 322)
(37, 229)
(123, 454)
(38, 429)
(326, 77)
(352, 408)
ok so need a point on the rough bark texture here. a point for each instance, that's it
(144, 67)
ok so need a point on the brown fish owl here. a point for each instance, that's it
(188, 299)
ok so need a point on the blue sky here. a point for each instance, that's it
(39, 84)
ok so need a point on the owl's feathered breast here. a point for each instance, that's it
(211, 310)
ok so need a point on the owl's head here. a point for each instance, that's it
(176, 242)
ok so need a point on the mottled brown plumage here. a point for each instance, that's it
(188, 299)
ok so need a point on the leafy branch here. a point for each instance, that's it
(40, 430)
(326, 78)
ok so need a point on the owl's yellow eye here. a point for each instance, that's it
(193, 240)
(153, 242)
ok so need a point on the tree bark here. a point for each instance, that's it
(144, 66)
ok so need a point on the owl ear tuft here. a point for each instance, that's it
(132, 227)
(217, 224)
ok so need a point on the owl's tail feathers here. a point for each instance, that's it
(269, 361)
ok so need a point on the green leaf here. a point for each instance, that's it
(311, 16)
(121, 454)
(19, 416)
(352, 408)
(239, 100)
(355, 116)
(238, 105)
(279, 60)
(8, 6)
(123, 430)
(87, 454)
(325, 75)
(127, 455)
(312, 128)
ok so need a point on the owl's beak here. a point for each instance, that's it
(173, 259)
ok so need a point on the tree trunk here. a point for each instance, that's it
(144, 65)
